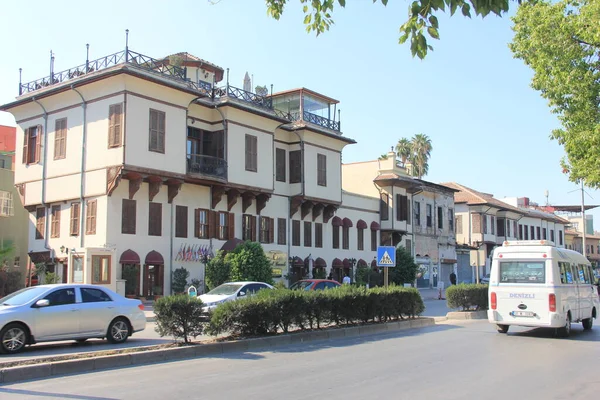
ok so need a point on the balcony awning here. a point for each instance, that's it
(37, 257)
(129, 257)
(347, 223)
(361, 224)
(154, 258)
(337, 263)
(336, 221)
(320, 263)
(375, 226)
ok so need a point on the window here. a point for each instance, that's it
(55, 222)
(560, 238)
(493, 224)
(40, 222)
(90, 217)
(155, 219)
(6, 204)
(360, 245)
(373, 240)
(115, 118)
(522, 272)
(345, 237)
(248, 227)
(89, 295)
(32, 144)
(402, 209)
(384, 202)
(203, 143)
(451, 220)
(280, 165)
(532, 230)
(440, 215)
(201, 223)
(295, 166)
(74, 226)
(61, 297)
(60, 139)
(336, 237)
(295, 233)
(77, 276)
(307, 234)
(565, 272)
(321, 170)
(544, 233)
(417, 208)
(552, 235)
(128, 217)
(459, 228)
(225, 226)
(539, 232)
(100, 270)
(429, 215)
(157, 131)
(281, 231)
(520, 231)
(500, 225)
(318, 235)
(181, 221)
(526, 232)
(251, 153)
(267, 226)
(484, 218)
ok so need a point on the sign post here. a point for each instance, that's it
(386, 258)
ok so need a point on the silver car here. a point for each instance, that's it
(67, 312)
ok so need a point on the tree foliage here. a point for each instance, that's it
(249, 263)
(179, 316)
(422, 19)
(560, 41)
(180, 277)
(417, 151)
(217, 271)
(405, 270)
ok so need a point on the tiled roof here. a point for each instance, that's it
(545, 215)
(473, 197)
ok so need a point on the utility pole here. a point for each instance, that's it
(584, 221)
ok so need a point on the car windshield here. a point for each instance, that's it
(302, 285)
(22, 296)
(226, 288)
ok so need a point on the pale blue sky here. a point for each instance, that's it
(489, 129)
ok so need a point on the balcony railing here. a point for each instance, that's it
(245, 96)
(321, 121)
(198, 164)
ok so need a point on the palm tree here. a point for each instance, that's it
(404, 150)
(421, 151)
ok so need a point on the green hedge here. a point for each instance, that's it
(468, 296)
(273, 311)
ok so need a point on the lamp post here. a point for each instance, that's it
(352, 263)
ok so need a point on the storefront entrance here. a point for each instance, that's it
(153, 280)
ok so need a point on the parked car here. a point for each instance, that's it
(229, 292)
(314, 284)
(67, 312)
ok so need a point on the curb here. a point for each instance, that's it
(58, 368)
(467, 315)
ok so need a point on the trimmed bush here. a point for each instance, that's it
(217, 271)
(274, 311)
(249, 263)
(468, 296)
(180, 277)
(179, 316)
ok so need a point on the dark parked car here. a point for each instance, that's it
(314, 284)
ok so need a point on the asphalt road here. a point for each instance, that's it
(448, 361)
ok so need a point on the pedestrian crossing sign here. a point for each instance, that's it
(386, 256)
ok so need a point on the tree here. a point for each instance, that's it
(421, 147)
(421, 16)
(249, 263)
(180, 276)
(179, 316)
(405, 270)
(560, 41)
(217, 271)
(404, 149)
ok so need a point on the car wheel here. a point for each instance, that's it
(13, 338)
(565, 331)
(588, 323)
(118, 331)
(502, 328)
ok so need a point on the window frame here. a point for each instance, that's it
(91, 210)
(55, 221)
(181, 221)
(280, 164)
(281, 231)
(158, 130)
(115, 125)
(40, 222)
(321, 169)
(60, 139)
(129, 224)
(251, 153)
(101, 281)
(154, 219)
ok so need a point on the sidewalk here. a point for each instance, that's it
(149, 311)
(430, 294)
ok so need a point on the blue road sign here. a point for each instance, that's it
(386, 256)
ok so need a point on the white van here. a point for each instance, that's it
(535, 284)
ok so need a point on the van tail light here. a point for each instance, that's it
(141, 306)
(494, 301)
(552, 302)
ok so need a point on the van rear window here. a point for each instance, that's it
(522, 272)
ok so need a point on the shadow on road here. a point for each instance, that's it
(577, 333)
(23, 392)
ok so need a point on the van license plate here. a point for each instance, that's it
(523, 314)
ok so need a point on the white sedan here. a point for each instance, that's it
(67, 312)
(229, 292)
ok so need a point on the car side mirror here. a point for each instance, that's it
(42, 303)
(241, 294)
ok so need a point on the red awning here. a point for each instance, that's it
(361, 224)
(320, 263)
(337, 263)
(375, 226)
(336, 221)
(346, 263)
(298, 262)
(361, 263)
(374, 264)
(154, 258)
(231, 244)
(347, 223)
(129, 257)
(38, 257)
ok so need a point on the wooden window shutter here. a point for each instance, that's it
(90, 222)
(161, 131)
(231, 226)
(280, 165)
(124, 217)
(271, 230)
(212, 220)
(55, 227)
(38, 144)
(115, 113)
(459, 221)
(74, 219)
(197, 222)
(253, 225)
(26, 134)
(476, 223)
